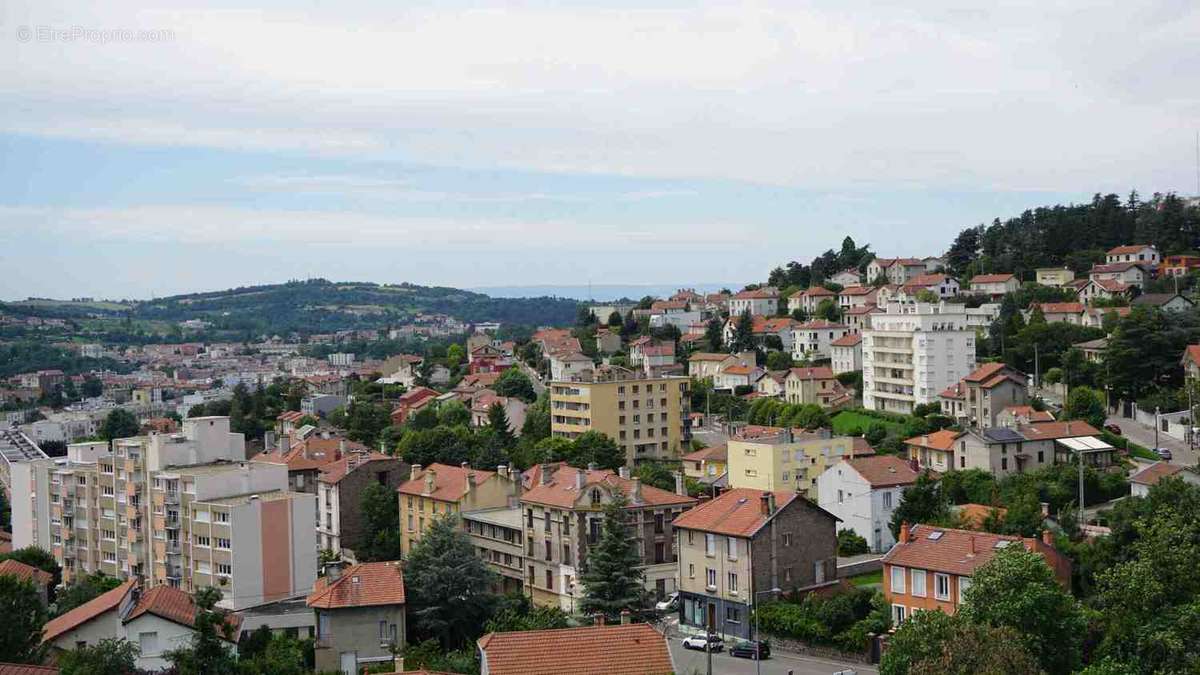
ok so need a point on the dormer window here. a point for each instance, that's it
(595, 497)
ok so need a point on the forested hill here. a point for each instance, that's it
(312, 306)
(1076, 235)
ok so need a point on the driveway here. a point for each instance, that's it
(1143, 435)
(689, 662)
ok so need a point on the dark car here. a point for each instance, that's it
(1113, 429)
(746, 650)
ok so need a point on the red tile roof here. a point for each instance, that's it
(633, 649)
(480, 379)
(561, 491)
(817, 373)
(718, 453)
(1193, 353)
(1050, 430)
(89, 610)
(1029, 413)
(1128, 249)
(938, 440)
(956, 390)
(821, 325)
(985, 372)
(850, 340)
(955, 551)
(990, 278)
(361, 585)
(26, 669)
(449, 483)
(975, 515)
(20, 570)
(758, 294)
(336, 470)
(1154, 473)
(178, 606)
(737, 512)
(884, 470)
(1061, 307)
(707, 356)
(416, 396)
(924, 280)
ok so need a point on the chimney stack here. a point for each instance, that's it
(1048, 538)
(904, 532)
(414, 472)
(470, 481)
(430, 481)
(972, 549)
(579, 479)
(598, 619)
(622, 471)
(680, 486)
(763, 507)
(544, 478)
(502, 470)
(636, 497)
(626, 616)
(333, 570)
(465, 466)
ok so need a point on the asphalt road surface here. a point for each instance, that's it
(1143, 435)
(690, 662)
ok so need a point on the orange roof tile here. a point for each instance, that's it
(851, 340)
(1193, 352)
(975, 515)
(938, 440)
(633, 649)
(955, 551)
(985, 372)
(89, 610)
(178, 606)
(361, 585)
(718, 453)
(336, 470)
(817, 373)
(449, 483)
(707, 356)
(1048, 430)
(1061, 307)
(737, 512)
(1154, 473)
(1029, 413)
(560, 491)
(884, 470)
(26, 669)
(1128, 249)
(990, 278)
(20, 570)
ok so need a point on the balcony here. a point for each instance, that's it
(173, 547)
(171, 522)
(171, 497)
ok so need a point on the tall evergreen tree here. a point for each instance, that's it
(743, 334)
(498, 424)
(712, 333)
(449, 585)
(613, 580)
(380, 538)
(24, 616)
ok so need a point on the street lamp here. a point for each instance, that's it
(757, 647)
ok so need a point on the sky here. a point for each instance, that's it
(165, 147)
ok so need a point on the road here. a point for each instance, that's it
(538, 385)
(1143, 435)
(689, 662)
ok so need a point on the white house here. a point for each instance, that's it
(857, 296)
(845, 354)
(995, 285)
(939, 284)
(810, 299)
(1143, 253)
(863, 492)
(1141, 482)
(896, 270)
(1103, 289)
(849, 277)
(1131, 273)
(759, 302)
(157, 620)
(812, 339)
(570, 365)
(732, 377)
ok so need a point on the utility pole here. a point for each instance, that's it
(1156, 429)
(1037, 371)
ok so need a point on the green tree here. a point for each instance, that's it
(779, 360)
(24, 616)
(656, 474)
(613, 578)
(515, 383)
(537, 422)
(380, 538)
(743, 333)
(593, 447)
(453, 413)
(448, 585)
(969, 649)
(850, 543)
(713, 333)
(918, 639)
(498, 424)
(515, 612)
(615, 320)
(921, 503)
(828, 310)
(454, 356)
(1017, 590)
(109, 656)
(277, 655)
(91, 387)
(209, 651)
(1085, 403)
(119, 423)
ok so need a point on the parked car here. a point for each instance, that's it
(1113, 429)
(697, 642)
(1163, 453)
(751, 650)
(671, 602)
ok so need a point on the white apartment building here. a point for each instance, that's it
(761, 302)
(812, 339)
(183, 510)
(913, 352)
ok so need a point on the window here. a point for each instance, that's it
(1041, 456)
(689, 533)
(202, 541)
(941, 586)
(733, 582)
(897, 615)
(710, 545)
(963, 584)
(148, 643)
(839, 496)
(595, 497)
(918, 583)
(549, 580)
(787, 538)
(898, 579)
(224, 569)
(222, 543)
(691, 571)
(887, 500)
(1004, 464)
(547, 543)
(731, 546)
(659, 523)
(711, 577)
(733, 614)
(566, 559)
(787, 574)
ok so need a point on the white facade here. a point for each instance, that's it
(913, 352)
(812, 339)
(843, 492)
(764, 306)
(845, 358)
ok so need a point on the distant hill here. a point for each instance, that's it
(318, 305)
(603, 292)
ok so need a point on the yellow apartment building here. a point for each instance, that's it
(440, 489)
(784, 459)
(646, 416)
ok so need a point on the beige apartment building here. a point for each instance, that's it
(183, 510)
(646, 416)
(787, 460)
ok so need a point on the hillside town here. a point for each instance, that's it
(826, 471)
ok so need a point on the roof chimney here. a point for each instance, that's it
(1048, 538)
(971, 551)
(502, 470)
(544, 477)
(598, 619)
(341, 447)
(680, 487)
(470, 481)
(625, 617)
(621, 471)
(904, 532)
(578, 479)
(414, 472)
(333, 570)
(636, 497)
(285, 443)
(430, 480)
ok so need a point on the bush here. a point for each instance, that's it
(841, 620)
(850, 543)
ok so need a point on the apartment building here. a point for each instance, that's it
(441, 489)
(978, 399)
(759, 302)
(339, 497)
(744, 547)
(778, 459)
(182, 510)
(564, 512)
(818, 386)
(646, 416)
(930, 568)
(896, 270)
(1143, 253)
(845, 354)
(913, 352)
(499, 538)
(811, 340)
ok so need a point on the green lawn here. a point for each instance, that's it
(875, 577)
(847, 420)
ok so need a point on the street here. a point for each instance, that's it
(690, 662)
(1144, 435)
